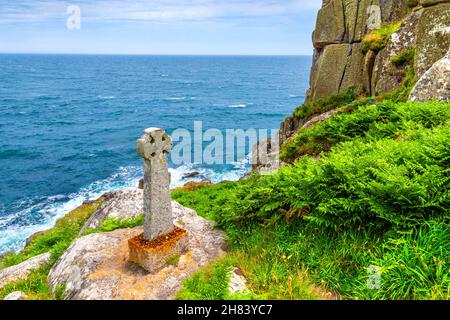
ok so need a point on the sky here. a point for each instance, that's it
(241, 27)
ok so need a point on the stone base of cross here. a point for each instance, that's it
(161, 239)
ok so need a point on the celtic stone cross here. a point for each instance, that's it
(154, 146)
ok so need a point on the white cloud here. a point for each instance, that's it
(152, 10)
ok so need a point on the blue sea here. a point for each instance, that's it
(68, 123)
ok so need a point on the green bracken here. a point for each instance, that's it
(366, 188)
(379, 197)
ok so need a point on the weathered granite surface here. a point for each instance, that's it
(96, 267)
(121, 204)
(238, 283)
(432, 39)
(339, 63)
(22, 270)
(16, 295)
(154, 145)
(385, 75)
(265, 156)
(435, 83)
(340, 66)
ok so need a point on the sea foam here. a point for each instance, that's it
(17, 227)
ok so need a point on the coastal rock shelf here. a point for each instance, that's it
(22, 270)
(96, 267)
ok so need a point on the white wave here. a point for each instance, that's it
(12, 237)
(233, 172)
(180, 98)
(105, 97)
(242, 105)
(176, 98)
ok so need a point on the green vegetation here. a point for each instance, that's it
(367, 187)
(56, 241)
(402, 92)
(379, 197)
(377, 39)
(403, 57)
(412, 3)
(326, 104)
(35, 286)
(193, 185)
(385, 119)
(321, 138)
(111, 224)
(173, 261)
(209, 284)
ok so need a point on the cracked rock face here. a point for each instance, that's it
(345, 21)
(339, 67)
(338, 62)
(435, 83)
(386, 76)
(96, 267)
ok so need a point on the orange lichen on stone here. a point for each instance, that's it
(162, 243)
(154, 254)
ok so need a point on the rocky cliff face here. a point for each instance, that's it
(340, 61)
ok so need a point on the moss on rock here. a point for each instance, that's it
(432, 40)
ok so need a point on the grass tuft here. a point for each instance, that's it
(319, 106)
(404, 57)
(111, 224)
(377, 39)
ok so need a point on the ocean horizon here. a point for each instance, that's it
(70, 121)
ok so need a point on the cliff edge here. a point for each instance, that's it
(354, 56)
